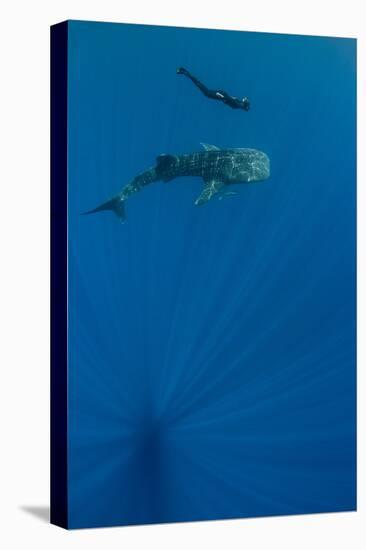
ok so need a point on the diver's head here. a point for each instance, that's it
(245, 103)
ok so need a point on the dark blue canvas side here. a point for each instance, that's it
(59, 515)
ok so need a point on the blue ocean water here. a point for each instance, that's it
(211, 349)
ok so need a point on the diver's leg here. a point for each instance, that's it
(198, 83)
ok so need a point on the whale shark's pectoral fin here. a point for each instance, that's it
(211, 188)
(208, 147)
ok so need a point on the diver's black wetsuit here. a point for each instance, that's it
(220, 95)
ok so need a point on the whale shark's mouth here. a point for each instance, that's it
(261, 168)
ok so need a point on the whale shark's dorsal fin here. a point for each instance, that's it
(208, 147)
(164, 160)
(163, 163)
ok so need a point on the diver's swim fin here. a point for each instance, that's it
(116, 205)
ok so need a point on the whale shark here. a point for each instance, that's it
(217, 167)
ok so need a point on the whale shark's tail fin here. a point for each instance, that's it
(116, 205)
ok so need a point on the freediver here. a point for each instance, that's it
(220, 95)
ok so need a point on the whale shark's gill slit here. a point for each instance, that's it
(117, 205)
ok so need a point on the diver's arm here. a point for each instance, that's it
(231, 101)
